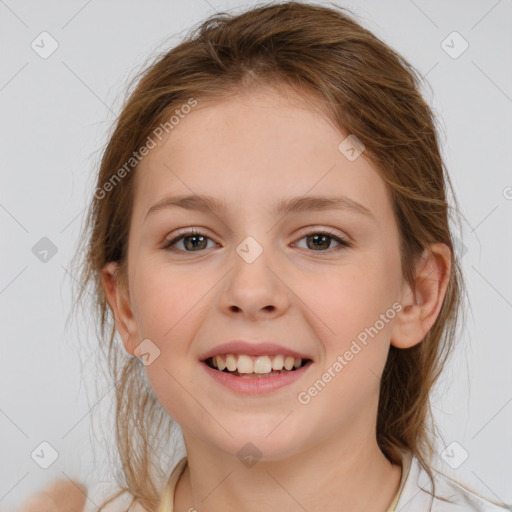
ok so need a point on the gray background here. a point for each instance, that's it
(55, 113)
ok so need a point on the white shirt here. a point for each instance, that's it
(414, 493)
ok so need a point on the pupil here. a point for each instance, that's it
(193, 245)
(317, 237)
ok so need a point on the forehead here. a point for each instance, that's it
(255, 149)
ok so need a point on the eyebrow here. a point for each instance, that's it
(285, 206)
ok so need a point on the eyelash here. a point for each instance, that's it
(344, 244)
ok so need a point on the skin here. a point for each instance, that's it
(251, 151)
(59, 496)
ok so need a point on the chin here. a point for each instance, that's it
(261, 441)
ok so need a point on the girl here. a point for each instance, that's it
(270, 234)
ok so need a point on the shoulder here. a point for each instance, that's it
(101, 492)
(448, 496)
(466, 498)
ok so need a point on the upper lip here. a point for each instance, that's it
(252, 349)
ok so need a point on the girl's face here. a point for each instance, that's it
(259, 274)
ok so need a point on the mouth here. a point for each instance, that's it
(255, 367)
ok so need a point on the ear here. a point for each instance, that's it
(422, 302)
(118, 297)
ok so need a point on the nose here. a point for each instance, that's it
(255, 286)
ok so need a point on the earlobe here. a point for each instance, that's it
(422, 302)
(119, 302)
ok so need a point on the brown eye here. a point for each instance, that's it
(320, 241)
(192, 241)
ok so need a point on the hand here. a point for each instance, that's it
(59, 496)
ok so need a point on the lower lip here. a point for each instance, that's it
(256, 385)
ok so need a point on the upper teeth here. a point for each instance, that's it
(259, 364)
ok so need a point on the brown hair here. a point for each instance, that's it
(370, 91)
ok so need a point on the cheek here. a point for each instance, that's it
(169, 383)
(354, 308)
(167, 309)
(166, 299)
(353, 318)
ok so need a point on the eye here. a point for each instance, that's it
(319, 240)
(192, 239)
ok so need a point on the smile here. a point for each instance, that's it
(255, 366)
(253, 375)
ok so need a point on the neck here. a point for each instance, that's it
(331, 475)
